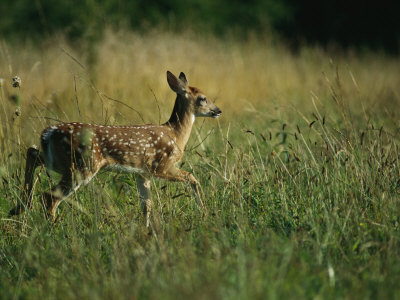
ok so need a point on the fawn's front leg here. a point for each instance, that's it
(143, 185)
(175, 174)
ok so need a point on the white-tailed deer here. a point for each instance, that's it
(78, 151)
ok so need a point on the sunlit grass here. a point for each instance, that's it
(300, 174)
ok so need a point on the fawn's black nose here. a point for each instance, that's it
(216, 112)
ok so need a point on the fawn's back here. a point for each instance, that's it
(88, 147)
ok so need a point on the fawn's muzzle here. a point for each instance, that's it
(216, 112)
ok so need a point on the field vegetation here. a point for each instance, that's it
(300, 175)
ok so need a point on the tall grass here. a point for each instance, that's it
(300, 175)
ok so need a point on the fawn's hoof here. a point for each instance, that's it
(48, 207)
(16, 210)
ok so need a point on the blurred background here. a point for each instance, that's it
(360, 24)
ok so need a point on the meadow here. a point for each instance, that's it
(300, 175)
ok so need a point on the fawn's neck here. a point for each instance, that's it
(181, 120)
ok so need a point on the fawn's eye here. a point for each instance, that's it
(202, 99)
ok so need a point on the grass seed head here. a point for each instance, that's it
(16, 81)
(17, 111)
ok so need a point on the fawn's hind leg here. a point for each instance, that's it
(70, 182)
(33, 160)
(58, 193)
(145, 198)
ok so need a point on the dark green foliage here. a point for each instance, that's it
(350, 24)
(39, 18)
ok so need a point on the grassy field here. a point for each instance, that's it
(300, 175)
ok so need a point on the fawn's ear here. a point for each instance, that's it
(177, 85)
(182, 77)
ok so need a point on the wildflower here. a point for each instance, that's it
(17, 111)
(16, 81)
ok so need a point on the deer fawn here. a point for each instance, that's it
(78, 151)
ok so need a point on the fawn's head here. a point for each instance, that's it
(198, 103)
